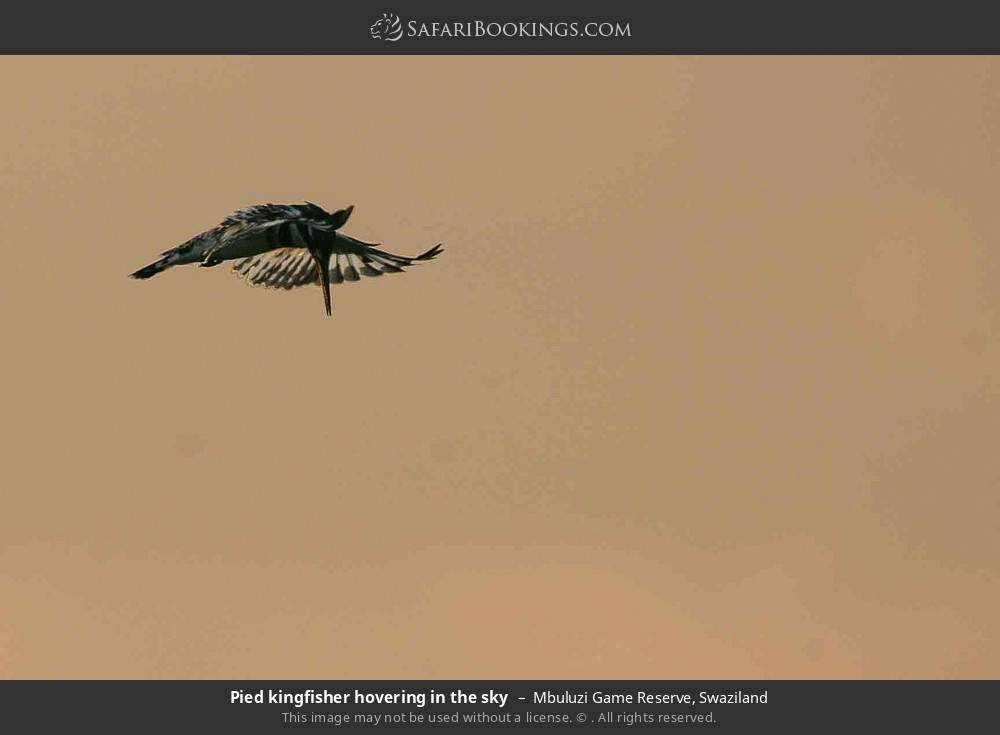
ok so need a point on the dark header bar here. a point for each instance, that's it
(514, 27)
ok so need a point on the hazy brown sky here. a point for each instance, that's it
(704, 385)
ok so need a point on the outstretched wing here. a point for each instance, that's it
(291, 267)
(354, 257)
(281, 268)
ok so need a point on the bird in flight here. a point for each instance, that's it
(284, 246)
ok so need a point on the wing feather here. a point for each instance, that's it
(365, 258)
(282, 268)
(291, 267)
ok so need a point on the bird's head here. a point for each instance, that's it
(339, 218)
(335, 219)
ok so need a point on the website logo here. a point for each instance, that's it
(390, 28)
(387, 28)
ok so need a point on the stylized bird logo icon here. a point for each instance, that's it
(284, 246)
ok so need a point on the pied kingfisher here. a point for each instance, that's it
(284, 246)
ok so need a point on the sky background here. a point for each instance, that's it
(705, 384)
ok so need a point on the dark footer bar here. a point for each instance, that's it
(423, 706)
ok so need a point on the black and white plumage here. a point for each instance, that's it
(285, 246)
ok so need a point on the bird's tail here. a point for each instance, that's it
(169, 259)
(152, 269)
